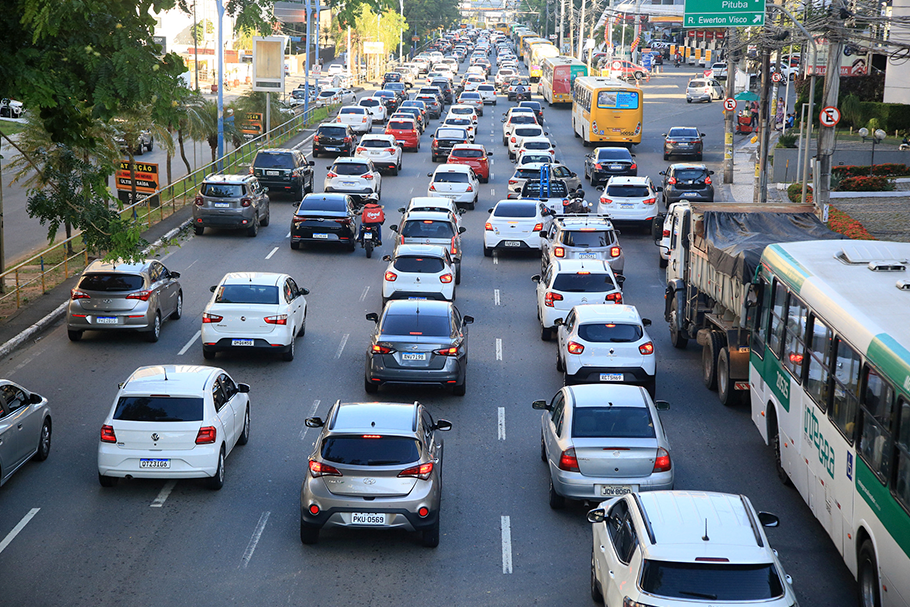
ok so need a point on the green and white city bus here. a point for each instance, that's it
(830, 386)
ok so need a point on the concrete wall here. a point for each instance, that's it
(782, 174)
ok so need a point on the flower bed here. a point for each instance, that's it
(865, 183)
(888, 169)
(837, 221)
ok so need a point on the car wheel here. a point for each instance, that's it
(651, 386)
(473, 204)
(289, 354)
(44, 441)
(725, 392)
(302, 331)
(253, 230)
(560, 366)
(867, 576)
(208, 354)
(107, 481)
(774, 440)
(709, 360)
(460, 389)
(666, 157)
(543, 449)
(352, 245)
(217, 481)
(688, 100)
(557, 502)
(596, 591)
(394, 171)
(74, 335)
(153, 335)
(678, 340)
(661, 262)
(699, 157)
(178, 311)
(546, 334)
(198, 230)
(315, 155)
(309, 534)
(487, 251)
(244, 437)
(369, 387)
(485, 179)
(430, 537)
(458, 273)
(268, 217)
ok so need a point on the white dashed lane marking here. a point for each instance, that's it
(162, 496)
(363, 295)
(496, 300)
(344, 340)
(269, 256)
(501, 423)
(257, 533)
(19, 527)
(498, 349)
(506, 527)
(190, 343)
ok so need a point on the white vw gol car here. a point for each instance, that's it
(173, 421)
(261, 311)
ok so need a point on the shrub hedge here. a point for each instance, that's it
(866, 183)
(888, 170)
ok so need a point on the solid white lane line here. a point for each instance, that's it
(495, 297)
(363, 295)
(260, 527)
(190, 343)
(506, 527)
(344, 340)
(162, 497)
(289, 235)
(269, 256)
(304, 142)
(498, 349)
(312, 413)
(501, 424)
(19, 527)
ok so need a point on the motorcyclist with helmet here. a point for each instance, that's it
(372, 216)
(576, 203)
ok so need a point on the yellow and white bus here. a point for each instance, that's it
(606, 110)
(557, 75)
(539, 52)
(526, 43)
(829, 373)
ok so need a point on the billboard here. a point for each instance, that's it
(268, 63)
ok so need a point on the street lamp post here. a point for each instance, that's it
(401, 33)
(877, 137)
(220, 75)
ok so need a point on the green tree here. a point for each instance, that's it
(425, 16)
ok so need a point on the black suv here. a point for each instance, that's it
(687, 182)
(325, 217)
(333, 137)
(390, 77)
(443, 85)
(603, 163)
(444, 139)
(284, 170)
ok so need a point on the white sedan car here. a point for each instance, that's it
(488, 92)
(261, 311)
(173, 421)
(358, 118)
(456, 182)
(472, 98)
(463, 110)
(461, 122)
(515, 224)
(419, 271)
(382, 150)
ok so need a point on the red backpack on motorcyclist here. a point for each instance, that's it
(372, 216)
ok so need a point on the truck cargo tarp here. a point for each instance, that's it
(735, 241)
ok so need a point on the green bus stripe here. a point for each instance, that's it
(784, 265)
(879, 498)
(892, 358)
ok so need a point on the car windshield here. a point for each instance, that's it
(523, 119)
(690, 174)
(447, 177)
(328, 93)
(352, 110)
(614, 333)
(222, 190)
(465, 121)
(318, 203)
(350, 168)
(530, 158)
(111, 283)
(531, 189)
(612, 422)
(415, 324)
(485, 87)
(572, 282)
(697, 83)
(627, 191)
(515, 209)
(369, 102)
(375, 143)
(418, 265)
(585, 238)
(273, 160)
(462, 110)
(158, 409)
(682, 133)
(614, 154)
(473, 96)
(370, 450)
(711, 581)
(427, 228)
(332, 131)
(401, 125)
(247, 294)
(527, 173)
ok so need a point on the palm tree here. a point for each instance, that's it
(192, 123)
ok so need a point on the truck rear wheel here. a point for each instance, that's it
(676, 338)
(709, 354)
(725, 392)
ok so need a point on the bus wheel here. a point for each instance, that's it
(774, 439)
(725, 392)
(867, 577)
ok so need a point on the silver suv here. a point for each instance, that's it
(237, 202)
(374, 465)
(134, 296)
(582, 237)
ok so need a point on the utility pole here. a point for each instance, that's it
(562, 17)
(729, 116)
(822, 173)
(760, 194)
(220, 81)
(581, 32)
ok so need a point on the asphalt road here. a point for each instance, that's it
(152, 542)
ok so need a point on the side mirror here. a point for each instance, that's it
(443, 425)
(312, 163)
(768, 520)
(663, 134)
(535, 278)
(430, 174)
(489, 210)
(394, 228)
(303, 291)
(373, 316)
(597, 515)
(462, 230)
(710, 172)
(212, 288)
(662, 173)
(620, 279)
(467, 320)
(244, 388)
(701, 134)
(559, 322)
(401, 209)
(659, 189)
(35, 399)
(631, 154)
(661, 405)
(314, 422)
(572, 175)
(174, 274)
(386, 258)
(503, 120)
(541, 405)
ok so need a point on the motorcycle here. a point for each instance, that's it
(368, 239)
(576, 204)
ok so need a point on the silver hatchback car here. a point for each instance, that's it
(374, 465)
(132, 296)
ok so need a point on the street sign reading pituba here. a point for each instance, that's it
(724, 13)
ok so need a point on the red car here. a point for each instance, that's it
(405, 133)
(474, 156)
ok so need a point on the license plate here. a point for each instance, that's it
(626, 206)
(368, 236)
(272, 173)
(222, 205)
(368, 518)
(587, 256)
(407, 356)
(350, 183)
(685, 145)
(610, 490)
(241, 342)
(332, 149)
(105, 320)
(155, 463)
(690, 193)
(615, 167)
(512, 243)
(321, 236)
(611, 377)
(418, 298)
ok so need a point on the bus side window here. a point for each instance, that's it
(901, 488)
(795, 341)
(778, 314)
(846, 390)
(875, 441)
(819, 363)
(758, 321)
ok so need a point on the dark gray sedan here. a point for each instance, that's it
(684, 141)
(25, 428)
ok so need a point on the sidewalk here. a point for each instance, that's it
(745, 156)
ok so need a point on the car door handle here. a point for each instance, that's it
(19, 426)
(612, 575)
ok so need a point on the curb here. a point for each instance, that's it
(7, 348)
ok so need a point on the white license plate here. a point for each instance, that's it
(611, 377)
(349, 183)
(368, 518)
(615, 167)
(407, 356)
(321, 236)
(587, 256)
(368, 236)
(611, 490)
(511, 243)
(690, 193)
(626, 206)
(241, 342)
(155, 463)
(222, 205)
(272, 173)
(332, 149)
(685, 145)
(105, 320)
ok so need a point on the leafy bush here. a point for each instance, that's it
(875, 183)
(885, 169)
(787, 141)
(795, 190)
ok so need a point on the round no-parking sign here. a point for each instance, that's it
(729, 104)
(829, 116)
(617, 65)
(775, 77)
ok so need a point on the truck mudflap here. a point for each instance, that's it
(739, 367)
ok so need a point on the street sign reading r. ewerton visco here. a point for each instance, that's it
(724, 13)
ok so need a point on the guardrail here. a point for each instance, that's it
(55, 264)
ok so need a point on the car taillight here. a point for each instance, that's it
(368, 176)
(604, 200)
(662, 461)
(550, 297)
(210, 318)
(649, 200)
(470, 188)
(381, 349)
(315, 138)
(559, 252)
(513, 139)
(347, 140)
(598, 166)
(141, 295)
(672, 141)
(199, 201)
(422, 471)
(453, 351)
(537, 227)
(77, 294)
(671, 180)
(330, 174)
(432, 187)
(615, 251)
(453, 247)
(488, 227)
(245, 202)
(568, 461)
(107, 434)
(360, 149)
(206, 435)
(707, 181)
(345, 221)
(390, 150)
(391, 276)
(614, 297)
(575, 348)
(445, 278)
(646, 349)
(277, 319)
(666, 233)
(318, 469)
(633, 166)
(513, 181)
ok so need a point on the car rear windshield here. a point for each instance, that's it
(583, 283)
(363, 451)
(446, 177)
(111, 283)
(369, 102)
(332, 131)
(466, 121)
(375, 143)
(627, 191)
(683, 133)
(350, 168)
(418, 265)
(352, 110)
(247, 294)
(515, 209)
(485, 87)
(613, 333)
(451, 134)
(318, 203)
(158, 409)
(527, 173)
(527, 132)
(401, 125)
(690, 174)
(222, 190)
(598, 238)
(697, 83)
(467, 153)
(523, 119)
(416, 324)
(536, 145)
(273, 160)
(328, 93)
(711, 581)
(529, 158)
(612, 422)
(531, 189)
(470, 96)
(614, 154)
(462, 111)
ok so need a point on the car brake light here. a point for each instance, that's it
(142, 295)
(422, 471)
(662, 461)
(331, 175)
(559, 252)
(707, 181)
(453, 351)
(77, 294)
(598, 166)
(277, 319)
(615, 251)
(368, 176)
(315, 138)
(513, 181)
(199, 201)
(671, 180)
(488, 227)
(634, 166)
(604, 200)
(445, 278)
(318, 469)
(513, 139)
(550, 297)
(575, 348)
(360, 149)
(537, 227)
(245, 202)
(391, 276)
(390, 150)
(347, 140)
(206, 435)
(453, 247)
(666, 233)
(107, 434)
(380, 349)
(614, 297)
(345, 221)
(649, 200)
(470, 188)
(210, 318)
(647, 348)
(671, 141)
(568, 461)
(432, 187)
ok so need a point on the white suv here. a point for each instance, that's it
(382, 150)
(573, 282)
(353, 176)
(359, 118)
(419, 271)
(456, 182)
(629, 199)
(685, 549)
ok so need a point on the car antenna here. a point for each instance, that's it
(164, 368)
(705, 536)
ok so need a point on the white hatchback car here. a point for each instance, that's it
(382, 150)
(515, 224)
(567, 283)
(629, 199)
(461, 122)
(488, 93)
(376, 108)
(353, 176)
(472, 98)
(463, 110)
(456, 182)
(606, 343)
(419, 271)
(522, 132)
(359, 118)
(262, 311)
(436, 204)
(173, 421)
(537, 145)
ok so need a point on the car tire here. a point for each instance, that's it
(268, 218)
(217, 482)
(198, 230)
(546, 334)
(302, 330)
(208, 354)
(678, 340)
(315, 155)
(661, 262)
(557, 502)
(725, 392)
(309, 534)
(485, 179)
(699, 157)
(178, 311)
(394, 171)
(155, 334)
(289, 354)
(709, 354)
(460, 389)
(44, 441)
(651, 386)
(458, 273)
(473, 204)
(560, 366)
(688, 100)
(74, 335)
(369, 387)
(107, 481)
(867, 586)
(352, 245)
(543, 449)
(774, 441)
(253, 230)
(666, 157)
(596, 591)
(487, 251)
(244, 437)
(430, 537)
